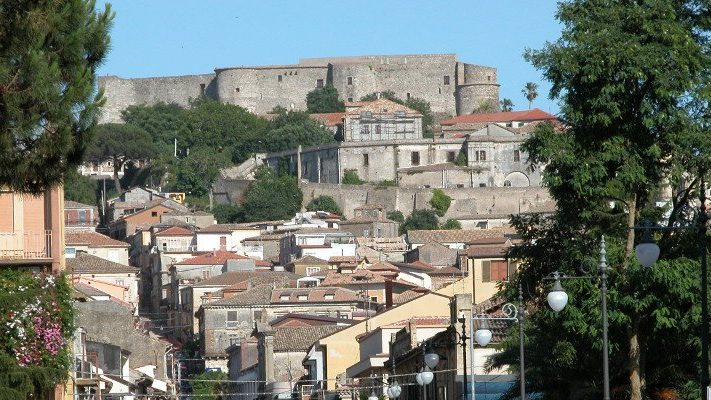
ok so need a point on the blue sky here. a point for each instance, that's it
(178, 37)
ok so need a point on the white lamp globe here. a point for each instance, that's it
(418, 378)
(373, 396)
(432, 360)
(482, 337)
(557, 299)
(394, 390)
(427, 376)
(647, 253)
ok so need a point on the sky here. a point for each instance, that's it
(181, 37)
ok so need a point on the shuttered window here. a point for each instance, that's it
(492, 271)
(232, 315)
(486, 271)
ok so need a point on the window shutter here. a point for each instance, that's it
(498, 270)
(486, 271)
(232, 315)
(512, 268)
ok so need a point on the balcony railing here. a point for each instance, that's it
(25, 245)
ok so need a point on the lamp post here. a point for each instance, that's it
(483, 335)
(463, 342)
(648, 253)
(557, 300)
(394, 388)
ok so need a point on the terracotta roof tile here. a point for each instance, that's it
(93, 239)
(226, 228)
(379, 106)
(526, 115)
(456, 236)
(408, 295)
(313, 295)
(421, 321)
(257, 296)
(329, 119)
(83, 263)
(175, 231)
(88, 290)
(217, 257)
(342, 259)
(68, 204)
(302, 337)
(453, 271)
(309, 260)
(255, 277)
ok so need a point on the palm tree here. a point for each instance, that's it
(530, 91)
(506, 105)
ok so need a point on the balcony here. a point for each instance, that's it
(17, 246)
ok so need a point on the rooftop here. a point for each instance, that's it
(456, 236)
(308, 260)
(217, 257)
(83, 263)
(526, 115)
(92, 239)
(175, 231)
(302, 337)
(255, 277)
(329, 119)
(68, 204)
(226, 228)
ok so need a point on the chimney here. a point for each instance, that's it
(388, 293)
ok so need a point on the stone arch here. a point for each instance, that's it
(517, 179)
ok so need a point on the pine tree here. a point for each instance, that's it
(49, 53)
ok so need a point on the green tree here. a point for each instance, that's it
(210, 385)
(396, 216)
(350, 177)
(440, 202)
(324, 203)
(121, 143)
(530, 92)
(289, 130)
(388, 94)
(486, 106)
(451, 224)
(420, 219)
(79, 188)
(324, 100)
(195, 173)
(228, 213)
(507, 105)
(624, 74)
(49, 53)
(272, 197)
(461, 160)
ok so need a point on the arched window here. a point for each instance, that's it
(507, 183)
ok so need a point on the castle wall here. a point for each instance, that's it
(260, 89)
(121, 93)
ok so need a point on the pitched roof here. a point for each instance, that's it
(69, 204)
(309, 260)
(359, 277)
(417, 265)
(217, 257)
(329, 119)
(83, 263)
(309, 317)
(302, 337)
(408, 295)
(190, 213)
(175, 231)
(526, 115)
(383, 266)
(255, 277)
(92, 239)
(451, 271)
(342, 259)
(257, 296)
(365, 220)
(226, 228)
(313, 295)
(421, 321)
(455, 235)
(88, 290)
(265, 237)
(380, 106)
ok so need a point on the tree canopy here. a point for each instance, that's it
(530, 92)
(440, 202)
(49, 53)
(420, 219)
(422, 106)
(324, 100)
(627, 78)
(271, 197)
(120, 143)
(324, 203)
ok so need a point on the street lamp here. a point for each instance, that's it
(483, 335)
(394, 390)
(372, 396)
(557, 300)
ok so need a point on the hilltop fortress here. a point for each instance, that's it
(451, 87)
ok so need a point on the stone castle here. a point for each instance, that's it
(451, 86)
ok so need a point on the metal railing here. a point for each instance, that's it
(25, 245)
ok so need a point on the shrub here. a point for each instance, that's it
(350, 177)
(324, 203)
(440, 202)
(452, 224)
(420, 219)
(395, 216)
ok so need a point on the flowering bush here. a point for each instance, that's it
(35, 331)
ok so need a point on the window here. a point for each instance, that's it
(232, 315)
(257, 315)
(234, 340)
(223, 242)
(154, 213)
(451, 156)
(366, 232)
(366, 161)
(374, 299)
(365, 130)
(488, 78)
(328, 297)
(305, 168)
(284, 297)
(415, 158)
(350, 80)
(202, 89)
(82, 216)
(482, 185)
(517, 155)
(377, 129)
(119, 282)
(70, 252)
(236, 90)
(303, 297)
(408, 95)
(350, 99)
(380, 232)
(279, 78)
(312, 270)
(205, 274)
(446, 79)
(319, 83)
(439, 90)
(494, 270)
(507, 183)
(479, 155)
